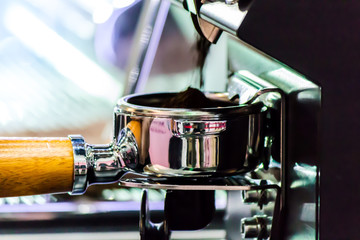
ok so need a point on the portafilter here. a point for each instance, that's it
(150, 140)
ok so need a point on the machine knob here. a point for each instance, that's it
(258, 227)
(260, 197)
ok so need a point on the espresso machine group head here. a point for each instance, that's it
(252, 142)
(283, 165)
(210, 18)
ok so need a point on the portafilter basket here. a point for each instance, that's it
(178, 142)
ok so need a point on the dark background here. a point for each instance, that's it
(321, 40)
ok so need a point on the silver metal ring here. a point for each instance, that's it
(80, 164)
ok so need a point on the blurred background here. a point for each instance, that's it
(62, 64)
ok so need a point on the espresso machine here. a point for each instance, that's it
(260, 143)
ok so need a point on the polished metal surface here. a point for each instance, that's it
(301, 149)
(259, 197)
(175, 143)
(191, 142)
(227, 17)
(127, 148)
(245, 85)
(257, 227)
(105, 166)
(297, 112)
(204, 28)
(148, 105)
(231, 183)
(220, 14)
(80, 164)
(184, 149)
(238, 182)
(93, 164)
(184, 127)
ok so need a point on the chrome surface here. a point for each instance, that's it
(259, 197)
(204, 28)
(221, 15)
(169, 142)
(185, 127)
(258, 227)
(300, 148)
(191, 142)
(144, 135)
(208, 183)
(231, 183)
(227, 17)
(245, 85)
(104, 164)
(127, 148)
(80, 164)
(148, 105)
(93, 164)
(298, 106)
(147, 37)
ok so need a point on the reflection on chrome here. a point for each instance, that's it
(174, 142)
(191, 141)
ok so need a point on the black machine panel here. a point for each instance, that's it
(321, 40)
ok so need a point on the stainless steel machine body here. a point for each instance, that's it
(293, 168)
(254, 146)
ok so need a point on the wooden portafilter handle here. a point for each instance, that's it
(30, 166)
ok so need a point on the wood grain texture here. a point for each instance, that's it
(30, 166)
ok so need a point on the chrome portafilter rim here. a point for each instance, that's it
(128, 105)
